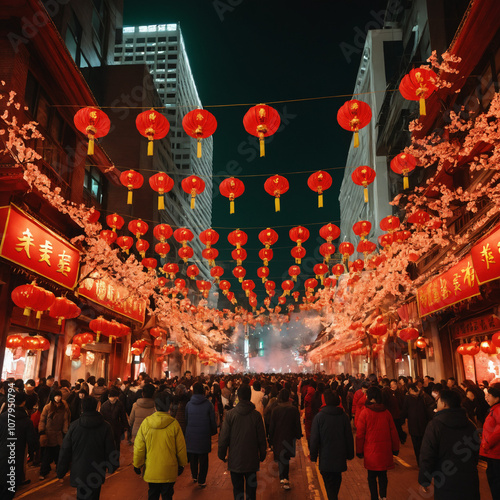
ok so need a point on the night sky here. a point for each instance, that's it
(261, 51)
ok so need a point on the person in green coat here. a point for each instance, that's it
(160, 450)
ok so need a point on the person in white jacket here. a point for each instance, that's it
(257, 396)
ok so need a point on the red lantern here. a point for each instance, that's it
(329, 282)
(210, 254)
(149, 263)
(294, 271)
(327, 250)
(93, 215)
(472, 349)
(296, 295)
(389, 224)
(92, 122)
(142, 247)
(418, 85)
(171, 269)
(363, 176)
(287, 287)
(386, 240)
(239, 272)
(346, 249)
(199, 124)
(62, 308)
(310, 285)
(209, 237)
(276, 186)
(185, 253)
(282, 300)
(320, 181)
(263, 273)
(162, 282)
(230, 297)
(378, 328)
(268, 237)
(266, 254)
(270, 287)
(231, 188)
(98, 326)
(161, 183)
(329, 232)
(225, 286)
(237, 238)
(366, 247)
(353, 116)
(261, 121)
(298, 253)
(183, 235)
(162, 232)
(487, 347)
(299, 234)
(162, 249)
(462, 349)
(216, 272)
(420, 218)
(320, 270)
(131, 180)
(204, 287)
(108, 236)
(248, 286)
(495, 339)
(31, 343)
(14, 341)
(421, 343)
(239, 255)
(403, 163)
(338, 270)
(32, 297)
(362, 228)
(193, 185)
(115, 221)
(408, 334)
(180, 284)
(192, 271)
(138, 227)
(152, 125)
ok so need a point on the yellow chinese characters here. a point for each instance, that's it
(45, 252)
(25, 241)
(487, 255)
(63, 266)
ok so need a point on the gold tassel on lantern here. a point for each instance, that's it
(161, 201)
(320, 200)
(422, 107)
(247, 293)
(297, 261)
(110, 339)
(198, 152)
(406, 184)
(129, 196)
(231, 204)
(277, 204)
(365, 191)
(262, 147)
(263, 280)
(150, 147)
(240, 280)
(90, 150)
(294, 278)
(356, 139)
(266, 262)
(193, 196)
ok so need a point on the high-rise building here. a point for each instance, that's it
(162, 48)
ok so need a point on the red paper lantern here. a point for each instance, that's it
(338, 270)
(294, 271)
(320, 181)
(366, 247)
(282, 300)
(216, 272)
(353, 116)
(162, 232)
(418, 85)
(329, 282)
(162, 282)
(310, 284)
(193, 185)
(14, 341)
(180, 284)
(263, 273)
(138, 227)
(346, 249)
(329, 232)
(487, 347)
(239, 255)
(248, 286)
(32, 296)
(298, 253)
(495, 339)
(239, 272)
(149, 263)
(287, 287)
(192, 271)
(230, 297)
(389, 224)
(115, 221)
(420, 218)
(237, 238)
(31, 343)
(162, 249)
(421, 343)
(210, 254)
(199, 124)
(270, 287)
(362, 228)
(108, 236)
(462, 349)
(158, 332)
(386, 240)
(63, 308)
(83, 338)
(183, 235)
(231, 188)
(363, 176)
(161, 183)
(299, 234)
(92, 122)
(473, 349)
(403, 163)
(185, 253)
(209, 237)
(152, 125)
(93, 215)
(276, 186)
(408, 334)
(204, 287)
(142, 247)
(378, 328)
(131, 180)
(171, 269)
(98, 326)
(225, 286)
(320, 270)
(261, 121)
(268, 237)
(266, 254)
(327, 250)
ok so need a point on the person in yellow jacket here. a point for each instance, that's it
(160, 449)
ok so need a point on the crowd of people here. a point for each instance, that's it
(170, 423)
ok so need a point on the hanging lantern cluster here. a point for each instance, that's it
(32, 297)
(111, 329)
(82, 339)
(28, 343)
(299, 235)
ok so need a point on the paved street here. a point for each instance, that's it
(305, 481)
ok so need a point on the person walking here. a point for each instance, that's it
(244, 435)
(377, 441)
(160, 450)
(284, 430)
(54, 423)
(142, 408)
(440, 454)
(308, 410)
(331, 441)
(490, 443)
(114, 413)
(359, 400)
(89, 449)
(200, 427)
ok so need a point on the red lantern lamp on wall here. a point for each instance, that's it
(320, 181)
(363, 176)
(98, 326)
(353, 116)
(418, 85)
(193, 185)
(261, 121)
(199, 124)
(231, 188)
(161, 183)
(32, 296)
(152, 125)
(276, 186)
(403, 164)
(131, 180)
(92, 122)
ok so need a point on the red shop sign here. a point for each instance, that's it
(486, 257)
(456, 284)
(27, 242)
(113, 296)
(476, 326)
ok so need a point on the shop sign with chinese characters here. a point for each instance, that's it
(112, 296)
(476, 326)
(486, 257)
(456, 284)
(28, 243)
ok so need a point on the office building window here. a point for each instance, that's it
(94, 183)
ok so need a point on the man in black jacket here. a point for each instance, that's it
(89, 448)
(450, 451)
(331, 439)
(244, 429)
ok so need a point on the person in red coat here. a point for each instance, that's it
(308, 410)
(490, 443)
(377, 441)
(358, 403)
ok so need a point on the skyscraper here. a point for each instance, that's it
(162, 48)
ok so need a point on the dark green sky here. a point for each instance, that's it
(253, 51)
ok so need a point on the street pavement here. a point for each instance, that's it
(305, 481)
